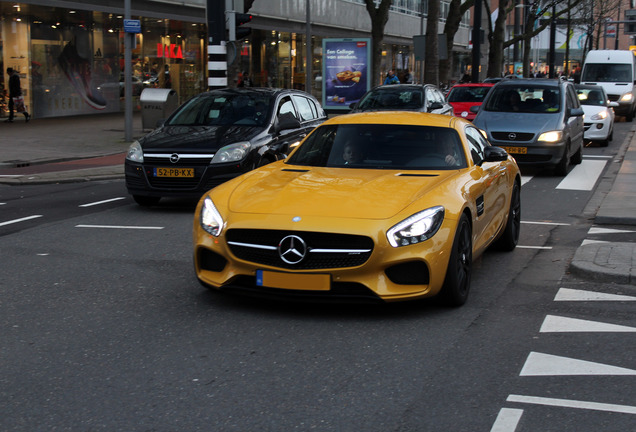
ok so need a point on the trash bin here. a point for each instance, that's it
(156, 105)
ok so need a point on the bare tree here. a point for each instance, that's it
(456, 10)
(431, 65)
(379, 18)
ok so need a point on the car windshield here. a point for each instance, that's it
(591, 97)
(524, 98)
(224, 110)
(607, 72)
(390, 98)
(382, 146)
(468, 94)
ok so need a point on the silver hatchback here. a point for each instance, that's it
(538, 121)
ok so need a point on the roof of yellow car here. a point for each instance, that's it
(394, 117)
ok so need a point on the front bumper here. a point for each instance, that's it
(544, 154)
(597, 131)
(387, 274)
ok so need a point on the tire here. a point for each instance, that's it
(510, 236)
(457, 281)
(604, 143)
(562, 167)
(146, 201)
(630, 116)
(577, 158)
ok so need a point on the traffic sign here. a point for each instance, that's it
(132, 26)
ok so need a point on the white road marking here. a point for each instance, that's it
(525, 179)
(20, 220)
(583, 176)
(565, 403)
(545, 223)
(597, 157)
(587, 241)
(540, 364)
(507, 420)
(568, 294)
(535, 247)
(102, 202)
(597, 230)
(559, 324)
(120, 227)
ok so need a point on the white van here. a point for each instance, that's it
(615, 71)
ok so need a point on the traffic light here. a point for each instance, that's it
(237, 32)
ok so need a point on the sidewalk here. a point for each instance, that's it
(83, 148)
(64, 149)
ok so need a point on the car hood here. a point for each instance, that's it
(335, 192)
(517, 122)
(196, 138)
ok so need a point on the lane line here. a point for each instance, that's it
(583, 177)
(507, 420)
(525, 179)
(535, 247)
(566, 403)
(102, 202)
(598, 230)
(597, 157)
(588, 241)
(120, 227)
(568, 294)
(560, 324)
(20, 220)
(545, 223)
(541, 364)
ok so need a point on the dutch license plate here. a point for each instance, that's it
(516, 150)
(299, 281)
(174, 172)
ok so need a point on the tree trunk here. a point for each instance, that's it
(495, 53)
(379, 17)
(456, 11)
(431, 65)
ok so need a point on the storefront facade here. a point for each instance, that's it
(71, 59)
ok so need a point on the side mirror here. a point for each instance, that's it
(353, 105)
(495, 154)
(576, 112)
(287, 121)
(435, 106)
(613, 104)
(474, 108)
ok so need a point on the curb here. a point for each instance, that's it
(606, 262)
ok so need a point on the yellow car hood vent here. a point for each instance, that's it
(334, 192)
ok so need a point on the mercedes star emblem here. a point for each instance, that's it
(292, 249)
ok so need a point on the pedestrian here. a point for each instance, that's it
(15, 91)
(391, 78)
(408, 78)
(245, 80)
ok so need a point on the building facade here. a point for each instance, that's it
(70, 54)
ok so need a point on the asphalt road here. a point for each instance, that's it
(104, 327)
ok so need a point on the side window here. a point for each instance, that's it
(304, 108)
(285, 106)
(430, 97)
(477, 143)
(440, 97)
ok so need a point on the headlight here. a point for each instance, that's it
(416, 228)
(135, 153)
(627, 97)
(552, 136)
(232, 153)
(210, 218)
(599, 116)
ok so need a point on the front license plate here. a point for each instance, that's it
(298, 281)
(516, 150)
(174, 172)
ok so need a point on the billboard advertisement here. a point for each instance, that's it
(346, 72)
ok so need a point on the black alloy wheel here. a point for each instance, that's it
(510, 236)
(457, 281)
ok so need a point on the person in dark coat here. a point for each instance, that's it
(14, 91)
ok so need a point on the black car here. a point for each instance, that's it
(404, 97)
(216, 136)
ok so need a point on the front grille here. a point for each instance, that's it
(586, 126)
(183, 162)
(519, 136)
(613, 98)
(324, 250)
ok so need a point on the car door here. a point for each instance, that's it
(574, 123)
(489, 188)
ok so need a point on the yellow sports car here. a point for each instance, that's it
(381, 206)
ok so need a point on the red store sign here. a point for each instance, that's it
(169, 51)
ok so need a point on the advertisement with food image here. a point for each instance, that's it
(345, 71)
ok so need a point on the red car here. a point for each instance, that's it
(463, 96)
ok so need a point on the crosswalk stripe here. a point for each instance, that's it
(583, 176)
(565, 403)
(540, 364)
(559, 324)
(507, 420)
(597, 230)
(568, 294)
